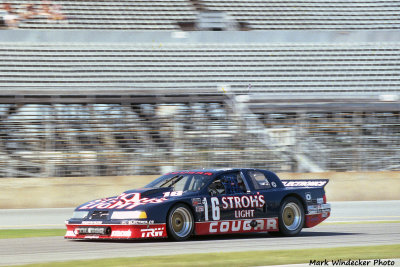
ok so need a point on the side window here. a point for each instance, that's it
(196, 183)
(228, 183)
(259, 180)
(216, 188)
(180, 184)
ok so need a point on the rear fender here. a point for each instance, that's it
(302, 200)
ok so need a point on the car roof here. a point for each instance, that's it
(222, 170)
(272, 177)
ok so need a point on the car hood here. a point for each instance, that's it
(132, 199)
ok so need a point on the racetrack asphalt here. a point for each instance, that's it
(341, 211)
(331, 234)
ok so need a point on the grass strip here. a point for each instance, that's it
(248, 258)
(22, 233)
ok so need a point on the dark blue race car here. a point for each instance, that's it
(203, 202)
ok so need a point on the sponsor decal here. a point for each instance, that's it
(173, 194)
(92, 222)
(152, 232)
(304, 183)
(273, 184)
(242, 226)
(244, 213)
(198, 204)
(90, 230)
(237, 226)
(308, 196)
(312, 209)
(243, 202)
(136, 222)
(117, 233)
(129, 197)
(200, 209)
(196, 201)
(243, 206)
(318, 209)
(320, 200)
(124, 201)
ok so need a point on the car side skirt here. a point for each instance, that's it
(237, 226)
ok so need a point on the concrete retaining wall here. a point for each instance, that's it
(69, 192)
(196, 37)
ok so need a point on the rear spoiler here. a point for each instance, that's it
(305, 183)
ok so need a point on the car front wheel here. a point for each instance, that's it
(180, 223)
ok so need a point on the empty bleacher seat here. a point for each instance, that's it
(279, 68)
(121, 14)
(311, 14)
(256, 14)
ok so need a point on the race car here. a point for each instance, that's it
(180, 204)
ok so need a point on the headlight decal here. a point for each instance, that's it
(137, 214)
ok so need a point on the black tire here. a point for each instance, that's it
(180, 223)
(291, 217)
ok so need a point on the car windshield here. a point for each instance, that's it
(181, 182)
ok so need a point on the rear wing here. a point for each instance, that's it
(305, 183)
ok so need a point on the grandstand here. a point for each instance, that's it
(311, 14)
(117, 15)
(90, 101)
(256, 14)
(275, 68)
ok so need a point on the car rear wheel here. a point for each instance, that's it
(291, 217)
(180, 223)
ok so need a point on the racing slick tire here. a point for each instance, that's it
(180, 223)
(291, 217)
